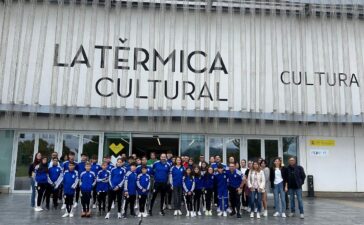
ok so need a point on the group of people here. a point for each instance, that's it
(135, 183)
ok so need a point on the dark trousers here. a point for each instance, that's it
(208, 196)
(142, 202)
(55, 193)
(189, 202)
(177, 198)
(94, 195)
(244, 198)
(169, 195)
(115, 195)
(69, 202)
(43, 192)
(197, 199)
(101, 199)
(130, 200)
(234, 199)
(85, 200)
(162, 188)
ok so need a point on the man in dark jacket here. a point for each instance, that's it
(295, 178)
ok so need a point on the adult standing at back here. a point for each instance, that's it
(296, 176)
(161, 171)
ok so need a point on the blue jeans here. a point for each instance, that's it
(279, 195)
(298, 193)
(32, 198)
(255, 200)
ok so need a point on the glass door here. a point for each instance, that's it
(24, 157)
(225, 147)
(265, 148)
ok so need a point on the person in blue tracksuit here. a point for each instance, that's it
(222, 189)
(143, 185)
(235, 187)
(209, 180)
(102, 186)
(87, 182)
(198, 190)
(130, 189)
(80, 169)
(70, 182)
(110, 166)
(55, 177)
(144, 163)
(175, 179)
(188, 188)
(41, 179)
(161, 172)
(116, 181)
(95, 167)
(71, 159)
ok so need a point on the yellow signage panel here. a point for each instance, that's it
(116, 148)
(321, 142)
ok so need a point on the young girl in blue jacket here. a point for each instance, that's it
(102, 186)
(198, 190)
(143, 185)
(43, 188)
(209, 180)
(130, 189)
(188, 188)
(70, 182)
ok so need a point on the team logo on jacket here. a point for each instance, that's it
(73, 176)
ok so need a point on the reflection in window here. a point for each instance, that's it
(216, 147)
(233, 149)
(192, 146)
(289, 148)
(271, 151)
(70, 144)
(46, 144)
(254, 149)
(90, 145)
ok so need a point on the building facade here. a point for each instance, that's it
(247, 79)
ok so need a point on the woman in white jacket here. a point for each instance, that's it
(256, 184)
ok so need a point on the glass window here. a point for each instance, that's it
(90, 145)
(233, 149)
(216, 147)
(289, 148)
(71, 143)
(24, 159)
(271, 151)
(193, 146)
(116, 144)
(6, 149)
(46, 144)
(254, 149)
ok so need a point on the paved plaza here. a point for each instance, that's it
(15, 209)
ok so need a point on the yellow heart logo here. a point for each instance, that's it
(116, 148)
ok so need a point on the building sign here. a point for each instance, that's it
(319, 152)
(322, 142)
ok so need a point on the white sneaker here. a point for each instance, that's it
(175, 213)
(71, 214)
(107, 216)
(249, 209)
(229, 210)
(225, 214)
(206, 213)
(252, 215)
(38, 209)
(193, 214)
(170, 207)
(219, 213)
(145, 214)
(65, 215)
(139, 215)
(291, 214)
(210, 213)
(188, 214)
(276, 214)
(199, 213)
(75, 205)
(283, 215)
(179, 212)
(258, 215)
(63, 206)
(218, 209)
(265, 214)
(94, 206)
(302, 216)
(119, 215)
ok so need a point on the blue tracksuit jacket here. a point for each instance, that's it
(176, 176)
(87, 181)
(131, 183)
(70, 181)
(161, 171)
(143, 184)
(102, 181)
(117, 175)
(188, 184)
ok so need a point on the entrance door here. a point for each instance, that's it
(225, 147)
(29, 143)
(266, 148)
(143, 145)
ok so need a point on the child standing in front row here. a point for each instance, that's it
(222, 190)
(209, 180)
(130, 189)
(188, 188)
(143, 184)
(102, 186)
(88, 181)
(70, 182)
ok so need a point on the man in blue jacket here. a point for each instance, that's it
(235, 185)
(295, 178)
(117, 175)
(161, 171)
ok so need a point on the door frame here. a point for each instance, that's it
(262, 144)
